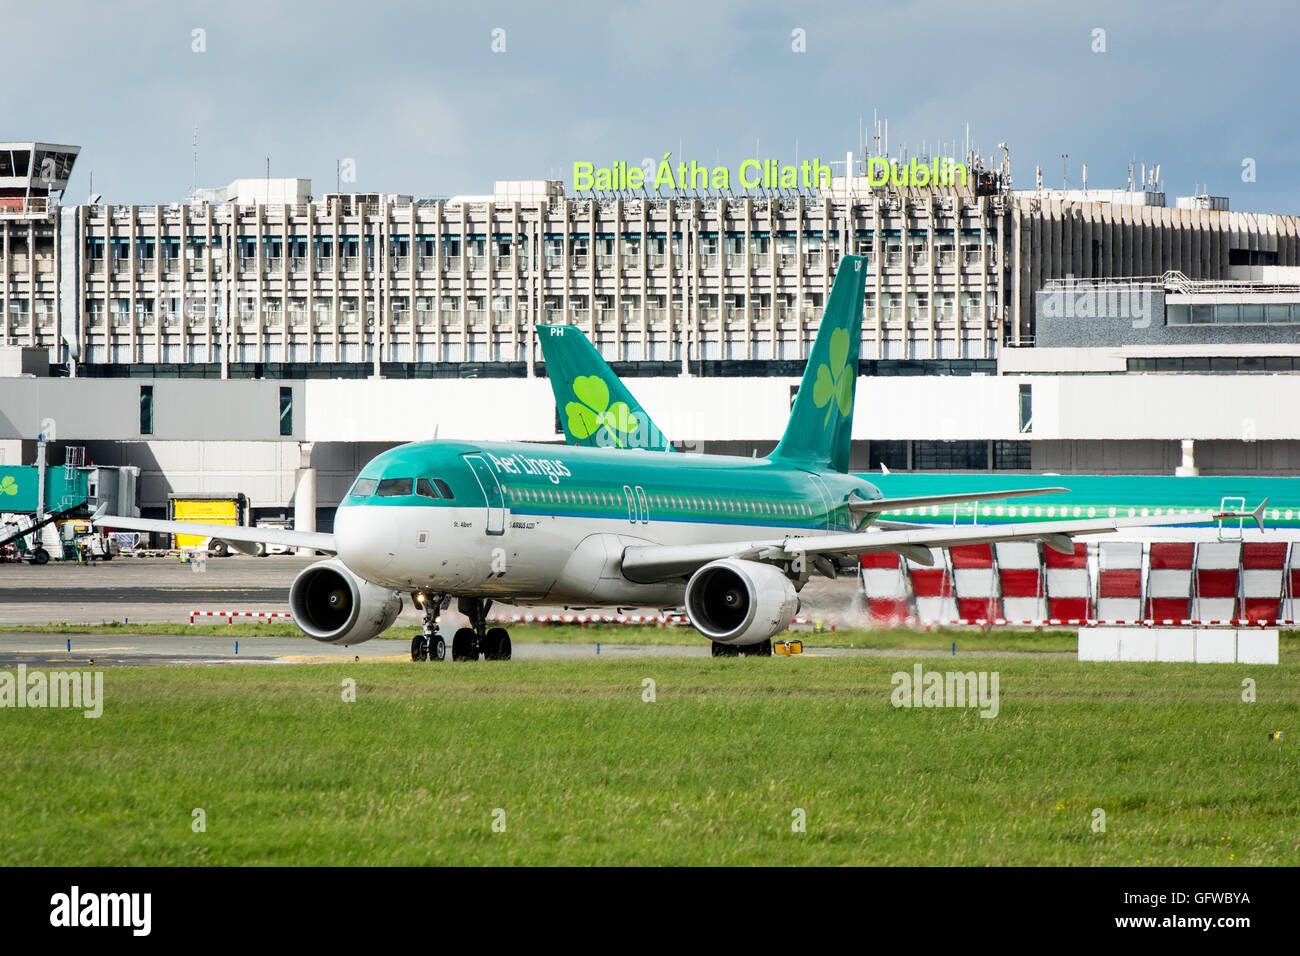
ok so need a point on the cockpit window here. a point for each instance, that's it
(444, 489)
(364, 488)
(425, 487)
(394, 487)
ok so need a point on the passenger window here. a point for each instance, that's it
(425, 487)
(394, 487)
(444, 489)
(364, 488)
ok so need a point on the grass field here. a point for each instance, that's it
(998, 639)
(711, 772)
(893, 639)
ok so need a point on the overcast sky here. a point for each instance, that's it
(414, 95)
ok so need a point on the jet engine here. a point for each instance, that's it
(740, 602)
(333, 605)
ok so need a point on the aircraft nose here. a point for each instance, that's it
(365, 538)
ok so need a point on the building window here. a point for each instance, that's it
(146, 409)
(891, 454)
(1026, 409)
(286, 410)
(1011, 456)
(950, 455)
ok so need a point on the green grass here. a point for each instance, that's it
(997, 639)
(710, 773)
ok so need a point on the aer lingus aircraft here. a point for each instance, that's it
(732, 540)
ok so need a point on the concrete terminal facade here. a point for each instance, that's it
(711, 302)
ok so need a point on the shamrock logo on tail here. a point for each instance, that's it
(8, 486)
(835, 381)
(592, 411)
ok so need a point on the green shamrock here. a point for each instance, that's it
(837, 384)
(592, 411)
(8, 486)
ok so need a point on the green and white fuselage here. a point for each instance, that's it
(547, 524)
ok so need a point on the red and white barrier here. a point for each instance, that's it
(1291, 605)
(1069, 589)
(1169, 580)
(933, 588)
(1217, 566)
(231, 615)
(1020, 579)
(1119, 581)
(1263, 577)
(884, 584)
(662, 620)
(1093, 622)
(975, 581)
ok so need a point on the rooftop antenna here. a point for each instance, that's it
(338, 178)
(268, 180)
(194, 181)
(1064, 157)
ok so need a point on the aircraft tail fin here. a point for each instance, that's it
(596, 408)
(821, 422)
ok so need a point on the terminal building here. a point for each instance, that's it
(251, 334)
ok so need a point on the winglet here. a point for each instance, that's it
(1258, 514)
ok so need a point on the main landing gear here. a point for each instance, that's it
(762, 649)
(429, 645)
(468, 642)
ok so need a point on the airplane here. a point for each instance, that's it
(731, 540)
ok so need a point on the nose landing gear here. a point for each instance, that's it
(429, 644)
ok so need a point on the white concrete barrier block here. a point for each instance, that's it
(1216, 645)
(1098, 644)
(1257, 647)
(1137, 644)
(1175, 644)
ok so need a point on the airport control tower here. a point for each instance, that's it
(30, 173)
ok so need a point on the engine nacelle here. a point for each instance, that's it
(740, 602)
(331, 604)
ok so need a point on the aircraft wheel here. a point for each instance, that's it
(218, 549)
(725, 650)
(437, 648)
(762, 649)
(40, 556)
(419, 648)
(496, 644)
(464, 645)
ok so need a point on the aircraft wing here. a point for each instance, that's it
(650, 563)
(235, 535)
